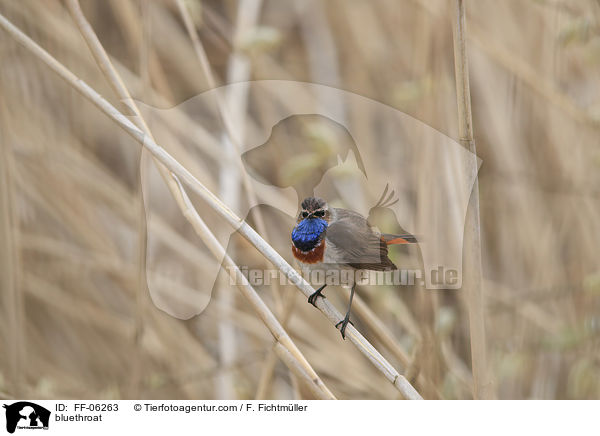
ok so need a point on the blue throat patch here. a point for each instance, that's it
(307, 234)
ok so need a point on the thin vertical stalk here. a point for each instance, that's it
(231, 114)
(142, 284)
(472, 280)
(10, 268)
(268, 367)
(235, 106)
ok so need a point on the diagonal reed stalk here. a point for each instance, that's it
(179, 172)
(472, 282)
(187, 208)
(238, 71)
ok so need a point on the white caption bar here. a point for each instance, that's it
(46, 417)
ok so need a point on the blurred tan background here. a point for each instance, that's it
(74, 322)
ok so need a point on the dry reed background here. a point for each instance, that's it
(73, 323)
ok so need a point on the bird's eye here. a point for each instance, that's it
(304, 214)
(320, 213)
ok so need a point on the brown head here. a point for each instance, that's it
(314, 207)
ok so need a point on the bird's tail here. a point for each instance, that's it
(406, 238)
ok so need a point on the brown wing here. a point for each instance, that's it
(356, 244)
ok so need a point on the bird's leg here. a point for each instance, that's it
(346, 319)
(313, 297)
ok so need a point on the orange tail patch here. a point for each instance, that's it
(399, 239)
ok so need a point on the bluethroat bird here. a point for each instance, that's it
(334, 239)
